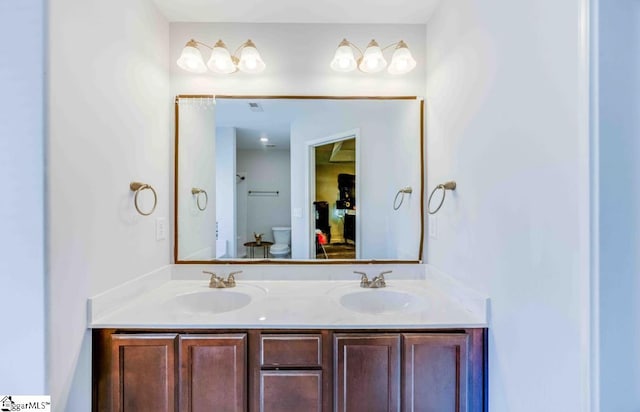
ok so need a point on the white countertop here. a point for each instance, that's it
(173, 301)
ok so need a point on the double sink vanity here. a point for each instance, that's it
(382, 332)
(178, 340)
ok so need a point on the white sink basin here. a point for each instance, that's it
(212, 301)
(378, 301)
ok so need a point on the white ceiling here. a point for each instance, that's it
(274, 122)
(299, 11)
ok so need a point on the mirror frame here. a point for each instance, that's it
(176, 260)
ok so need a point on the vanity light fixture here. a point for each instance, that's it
(372, 60)
(246, 58)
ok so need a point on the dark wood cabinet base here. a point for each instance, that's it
(290, 370)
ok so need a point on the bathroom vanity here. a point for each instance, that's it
(296, 336)
(275, 344)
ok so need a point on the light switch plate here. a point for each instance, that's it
(433, 226)
(161, 228)
(297, 212)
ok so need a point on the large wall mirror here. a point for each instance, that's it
(298, 179)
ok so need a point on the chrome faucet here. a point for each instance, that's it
(217, 282)
(375, 283)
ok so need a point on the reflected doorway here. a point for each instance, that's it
(335, 199)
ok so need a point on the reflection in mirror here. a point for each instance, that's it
(335, 199)
(195, 237)
(303, 179)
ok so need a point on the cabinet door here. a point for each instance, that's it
(143, 372)
(435, 372)
(367, 372)
(213, 373)
(293, 390)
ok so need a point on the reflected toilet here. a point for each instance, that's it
(282, 241)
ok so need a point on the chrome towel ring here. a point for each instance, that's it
(138, 187)
(197, 192)
(444, 187)
(407, 190)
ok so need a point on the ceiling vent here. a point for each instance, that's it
(255, 107)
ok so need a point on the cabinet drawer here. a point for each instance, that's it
(291, 351)
(290, 390)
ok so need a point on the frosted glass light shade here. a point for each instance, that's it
(402, 61)
(343, 60)
(191, 59)
(250, 60)
(372, 61)
(220, 60)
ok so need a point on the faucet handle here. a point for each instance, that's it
(364, 280)
(379, 280)
(232, 274)
(214, 281)
(386, 272)
(231, 278)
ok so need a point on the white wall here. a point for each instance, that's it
(297, 58)
(22, 210)
(110, 115)
(619, 203)
(390, 159)
(197, 169)
(506, 119)
(266, 170)
(226, 189)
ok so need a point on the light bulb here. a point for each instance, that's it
(250, 60)
(372, 61)
(221, 61)
(402, 61)
(251, 63)
(343, 60)
(191, 58)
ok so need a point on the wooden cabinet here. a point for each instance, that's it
(432, 372)
(292, 372)
(290, 350)
(435, 372)
(273, 371)
(367, 372)
(169, 372)
(143, 372)
(213, 370)
(290, 390)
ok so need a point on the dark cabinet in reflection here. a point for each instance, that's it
(347, 188)
(350, 227)
(322, 218)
